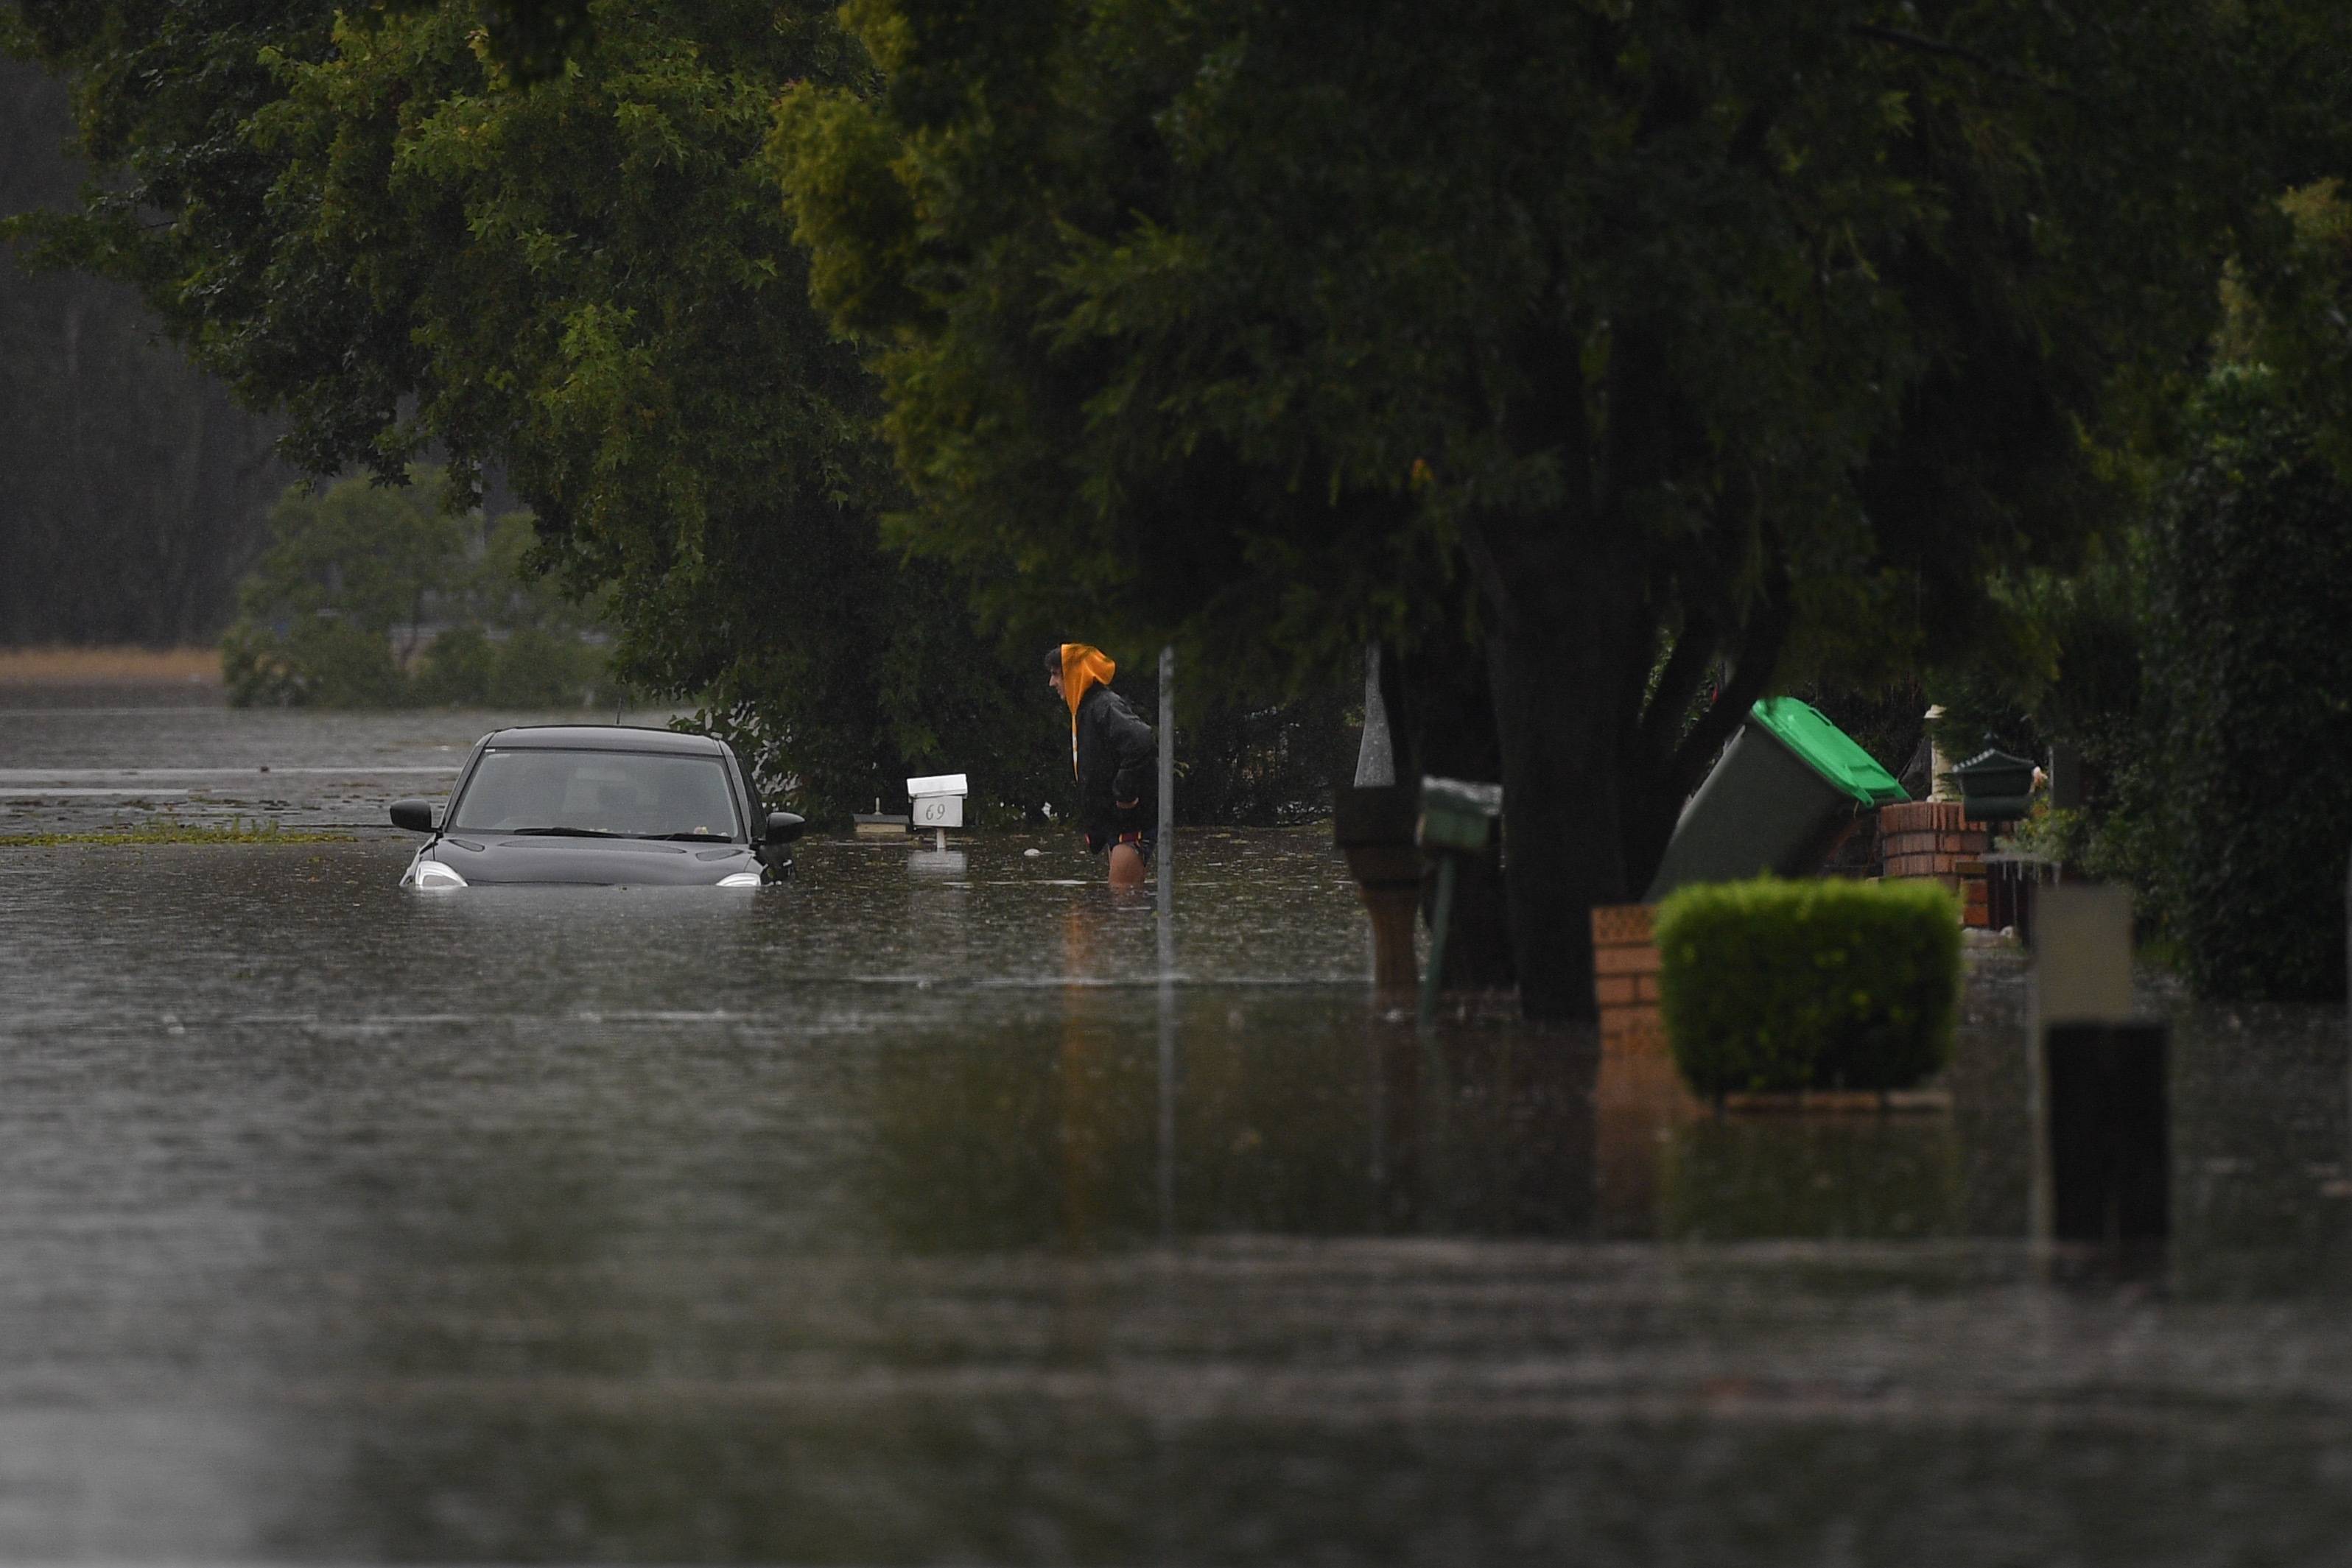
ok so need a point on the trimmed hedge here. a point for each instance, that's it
(1773, 985)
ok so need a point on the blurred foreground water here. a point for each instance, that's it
(915, 1212)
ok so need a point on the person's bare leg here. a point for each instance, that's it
(1125, 866)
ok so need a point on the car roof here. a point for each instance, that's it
(602, 738)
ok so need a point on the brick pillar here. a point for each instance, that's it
(1935, 839)
(1626, 972)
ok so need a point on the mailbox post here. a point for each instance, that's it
(1373, 827)
(1457, 822)
(937, 804)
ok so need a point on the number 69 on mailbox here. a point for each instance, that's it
(938, 800)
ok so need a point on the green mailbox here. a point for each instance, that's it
(1457, 820)
(1995, 786)
(1459, 815)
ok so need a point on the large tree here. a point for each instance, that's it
(359, 218)
(1658, 345)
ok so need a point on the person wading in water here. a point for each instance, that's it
(1116, 757)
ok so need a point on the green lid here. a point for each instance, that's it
(1828, 751)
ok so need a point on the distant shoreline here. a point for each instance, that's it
(114, 666)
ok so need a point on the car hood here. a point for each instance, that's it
(488, 857)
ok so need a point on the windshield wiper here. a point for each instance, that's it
(695, 838)
(564, 832)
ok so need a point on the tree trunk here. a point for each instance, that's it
(1567, 654)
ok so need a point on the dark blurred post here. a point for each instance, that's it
(2102, 1168)
(1166, 853)
(1166, 869)
(2110, 1163)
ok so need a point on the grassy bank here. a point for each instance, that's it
(57, 666)
(236, 830)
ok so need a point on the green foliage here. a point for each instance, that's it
(2290, 310)
(1267, 764)
(2127, 682)
(324, 662)
(372, 596)
(457, 668)
(2250, 675)
(1245, 759)
(1784, 329)
(1773, 985)
(530, 39)
(359, 217)
(317, 614)
(2200, 674)
(1741, 331)
(2076, 679)
(369, 554)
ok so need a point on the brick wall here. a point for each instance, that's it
(1936, 839)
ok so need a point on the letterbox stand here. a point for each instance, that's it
(1373, 827)
(937, 803)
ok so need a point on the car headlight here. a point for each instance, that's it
(740, 879)
(433, 874)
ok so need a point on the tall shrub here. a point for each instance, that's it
(2250, 670)
(374, 596)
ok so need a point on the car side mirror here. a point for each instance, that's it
(783, 827)
(416, 816)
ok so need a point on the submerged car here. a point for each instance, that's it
(599, 805)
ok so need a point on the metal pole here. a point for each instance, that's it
(1165, 858)
(1167, 1082)
(1375, 752)
(1165, 855)
(1434, 976)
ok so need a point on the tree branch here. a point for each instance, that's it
(1759, 653)
(1654, 738)
(1926, 46)
(1492, 580)
(1922, 44)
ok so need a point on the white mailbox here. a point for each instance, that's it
(938, 800)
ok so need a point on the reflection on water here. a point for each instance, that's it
(968, 1213)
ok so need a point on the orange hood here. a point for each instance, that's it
(1084, 667)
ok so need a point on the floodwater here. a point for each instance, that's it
(925, 1211)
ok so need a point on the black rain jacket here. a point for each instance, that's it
(1118, 759)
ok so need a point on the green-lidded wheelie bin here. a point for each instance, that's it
(1775, 800)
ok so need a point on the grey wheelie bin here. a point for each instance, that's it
(1775, 801)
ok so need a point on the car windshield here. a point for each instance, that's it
(593, 794)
